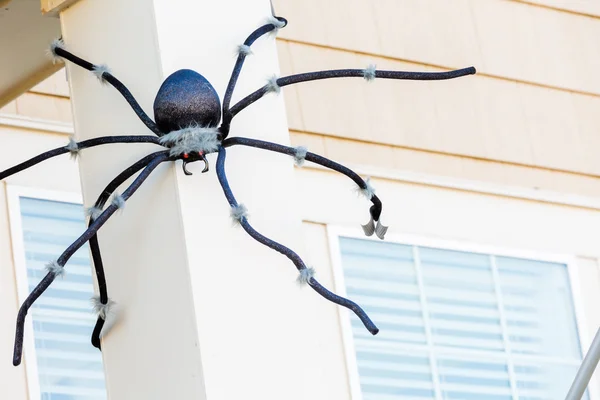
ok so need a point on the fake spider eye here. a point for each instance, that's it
(186, 155)
(200, 153)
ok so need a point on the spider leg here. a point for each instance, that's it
(306, 274)
(370, 73)
(94, 212)
(74, 147)
(301, 154)
(274, 24)
(101, 71)
(56, 268)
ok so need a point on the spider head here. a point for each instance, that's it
(184, 99)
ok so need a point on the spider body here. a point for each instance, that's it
(186, 99)
(187, 111)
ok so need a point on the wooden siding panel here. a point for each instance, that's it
(44, 107)
(474, 116)
(587, 114)
(587, 7)
(56, 85)
(341, 112)
(314, 143)
(503, 38)
(504, 126)
(10, 108)
(553, 128)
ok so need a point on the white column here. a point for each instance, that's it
(207, 312)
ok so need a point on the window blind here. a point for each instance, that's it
(69, 367)
(460, 325)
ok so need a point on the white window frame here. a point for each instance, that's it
(14, 194)
(335, 232)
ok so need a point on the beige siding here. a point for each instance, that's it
(474, 116)
(56, 85)
(502, 38)
(528, 118)
(585, 7)
(48, 100)
(45, 107)
(10, 108)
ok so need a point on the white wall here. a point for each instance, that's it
(58, 174)
(451, 215)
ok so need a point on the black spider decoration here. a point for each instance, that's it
(187, 113)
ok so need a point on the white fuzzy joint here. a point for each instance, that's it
(305, 275)
(99, 71)
(102, 310)
(118, 201)
(300, 155)
(56, 44)
(190, 140)
(73, 148)
(244, 50)
(272, 85)
(369, 72)
(368, 191)
(276, 23)
(109, 312)
(93, 212)
(237, 213)
(55, 269)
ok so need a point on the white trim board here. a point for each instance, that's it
(19, 121)
(495, 189)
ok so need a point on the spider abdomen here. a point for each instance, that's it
(186, 99)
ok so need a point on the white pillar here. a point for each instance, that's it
(207, 311)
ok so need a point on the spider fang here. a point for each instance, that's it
(205, 162)
(185, 171)
(201, 157)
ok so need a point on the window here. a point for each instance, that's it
(459, 325)
(61, 362)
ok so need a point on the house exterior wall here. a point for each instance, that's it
(505, 158)
(33, 123)
(490, 159)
